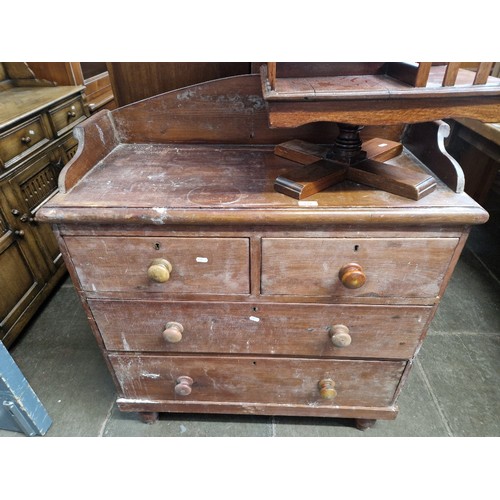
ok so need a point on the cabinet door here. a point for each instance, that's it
(21, 279)
(31, 188)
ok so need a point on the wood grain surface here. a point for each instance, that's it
(260, 328)
(396, 267)
(200, 265)
(286, 381)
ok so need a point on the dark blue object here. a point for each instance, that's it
(20, 408)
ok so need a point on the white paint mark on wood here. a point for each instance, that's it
(101, 134)
(150, 375)
(254, 318)
(201, 259)
(307, 203)
(162, 212)
(125, 343)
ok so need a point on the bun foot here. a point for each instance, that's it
(364, 423)
(149, 417)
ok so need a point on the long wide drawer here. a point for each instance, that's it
(243, 328)
(260, 380)
(345, 267)
(198, 265)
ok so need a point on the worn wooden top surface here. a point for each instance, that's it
(377, 85)
(17, 103)
(163, 184)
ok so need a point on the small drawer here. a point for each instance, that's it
(21, 141)
(162, 265)
(260, 380)
(361, 268)
(265, 329)
(65, 116)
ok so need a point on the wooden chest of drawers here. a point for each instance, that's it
(232, 298)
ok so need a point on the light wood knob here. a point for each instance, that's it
(183, 386)
(173, 332)
(352, 275)
(339, 335)
(71, 114)
(159, 270)
(26, 140)
(327, 388)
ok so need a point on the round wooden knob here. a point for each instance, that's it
(183, 386)
(339, 335)
(352, 276)
(159, 270)
(327, 388)
(26, 140)
(173, 332)
(71, 114)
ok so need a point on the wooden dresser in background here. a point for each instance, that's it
(208, 291)
(36, 141)
(93, 76)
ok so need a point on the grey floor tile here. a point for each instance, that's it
(60, 324)
(471, 303)
(124, 424)
(484, 240)
(75, 389)
(418, 416)
(464, 373)
(59, 357)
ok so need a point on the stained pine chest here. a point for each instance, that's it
(209, 292)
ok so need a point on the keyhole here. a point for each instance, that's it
(157, 246)
(356, 248)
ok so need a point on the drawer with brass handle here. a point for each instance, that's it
(322, 330)
(66, 115)
(20, 142)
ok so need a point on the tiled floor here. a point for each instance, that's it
(453, 390)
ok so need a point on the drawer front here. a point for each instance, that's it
(198, 265)
(392, 267)
(21, 141)
(282, 329)
(65, 116)
(258, 380)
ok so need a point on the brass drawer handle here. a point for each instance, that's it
(173, 332)
(183, 386)
(327, 388)
(27, 139)
(159, 270)
(339, 335)
(352, 275)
